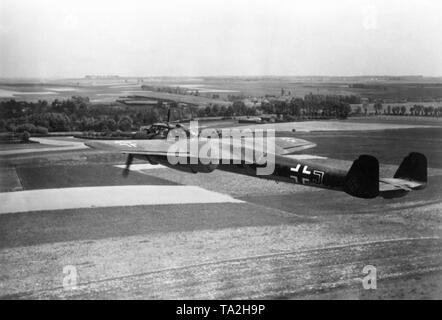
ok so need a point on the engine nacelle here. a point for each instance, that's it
(203, 168)
(192, 168)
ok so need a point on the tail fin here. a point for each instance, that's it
(413, 167)
(411, 175)
(362, 179)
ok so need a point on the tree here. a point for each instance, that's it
(403, 110)
(29, 127)
(396, 110)
(417, 109)
(125, 124)
(239, 107)
(58, 121)
(26, 136)
(10, 126)
(215, 110)
(344, 110)
(222, 111)
(229, 111)
(296, 104)
(41, 130)
(207, 111)
(377, 107)
(430, 110)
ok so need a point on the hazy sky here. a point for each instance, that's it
(62, 38)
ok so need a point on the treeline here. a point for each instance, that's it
(238, 108)
(312, 106)
(75, 114)
(415, 110)
(190, 91)
(174, 90)
(78, 114)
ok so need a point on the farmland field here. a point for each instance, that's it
(107, 91)
(276, 240)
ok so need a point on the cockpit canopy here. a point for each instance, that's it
(161, 130)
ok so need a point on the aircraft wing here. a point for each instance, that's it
(289, 145)
(158, 147)
(283, 145)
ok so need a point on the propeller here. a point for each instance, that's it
(130, 158)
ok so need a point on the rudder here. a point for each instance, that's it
(362, 179)
(413, 167)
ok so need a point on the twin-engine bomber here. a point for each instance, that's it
(361, 180)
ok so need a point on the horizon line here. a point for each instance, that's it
(219, 76)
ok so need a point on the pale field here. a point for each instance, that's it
(108, 90)
(281, 241)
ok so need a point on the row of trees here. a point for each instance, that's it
(415, 110)
(312, 106)
(238, 108)
(324, 106)
(78, 114)
(428, 111)
(75, 114)
(169, 89)
(190, 91)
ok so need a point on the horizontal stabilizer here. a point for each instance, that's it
(411, 175)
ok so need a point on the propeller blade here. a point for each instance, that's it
(130, 158)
